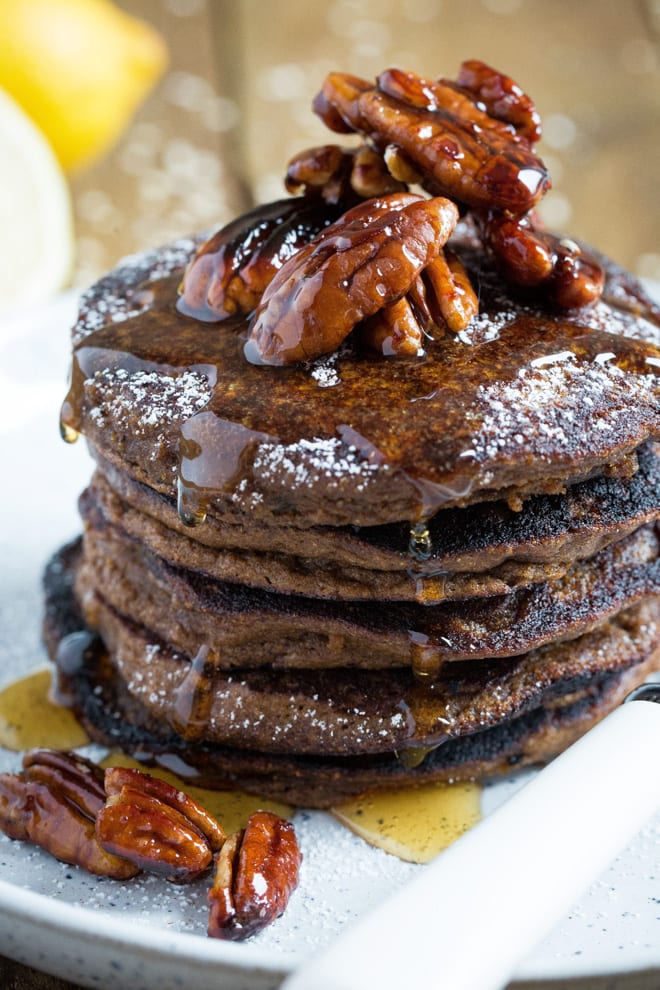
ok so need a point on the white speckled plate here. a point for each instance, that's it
(148, 934)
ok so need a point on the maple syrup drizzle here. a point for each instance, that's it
(426, 658)
(68, 433)
(420, 546)
(194, 696)
(413, 824)
(250, 407)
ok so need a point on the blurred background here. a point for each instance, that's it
(218, 92)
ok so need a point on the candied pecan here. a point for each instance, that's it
(440, 296)
(256, 873)
(502, 97)
(323, 170)
(157, 827)
(451, 291)
(53, 803)
(394, 331)
(232, 268)
(577, 277)
(459, 149)
(340, 175)
(337, 102)
(399, 166)
(567, 275)
(371, 177)
(363, 262)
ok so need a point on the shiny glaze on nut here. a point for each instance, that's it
(232, 268)
(256, 873)
(366, 260)
(470, 140)
(53, 803)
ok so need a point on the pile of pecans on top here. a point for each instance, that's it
(121, 822)
(357, 250)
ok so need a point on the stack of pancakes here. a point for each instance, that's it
(359, 572)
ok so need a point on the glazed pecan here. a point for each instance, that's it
(230, 271)
(449, 292)
(394, 331)
(157, 827)
(460, 150)
(568, 276)
(357, 266)
(53, 803)
(341, 175)
(441, 296)
(502, 98)
(337, 103)
(256, 873)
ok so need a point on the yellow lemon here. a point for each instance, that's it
(79, 69)
(36, 230)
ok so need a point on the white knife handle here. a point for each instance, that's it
(483, 905)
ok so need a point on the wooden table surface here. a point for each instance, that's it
(235, 106)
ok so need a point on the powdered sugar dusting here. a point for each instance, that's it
(325, 373)
(538, 408)
(603, 316)
(484, 327)
(114, 298)
(238, 716)
(147, 401)
(305, 463)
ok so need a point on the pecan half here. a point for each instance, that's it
(337, 103)
(568, 276)
(460, 150)
(366, 260)
(256, 872)
(341, 175)
(230, 271)
(502, 97)
(450, 291)
(157, 827)
(53, 803)
(394, 331)
(441, 296)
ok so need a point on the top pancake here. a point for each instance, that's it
(524, 401)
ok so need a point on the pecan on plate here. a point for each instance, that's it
(459, 149)
(53, 803)
(232, 268)
(157, 827)
(256, 872)
(341, 175)
(366, 260)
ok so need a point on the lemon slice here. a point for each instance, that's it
(36, 228)
(79, 69)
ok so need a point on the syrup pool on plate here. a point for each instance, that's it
(412, 824)
(30, 719)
